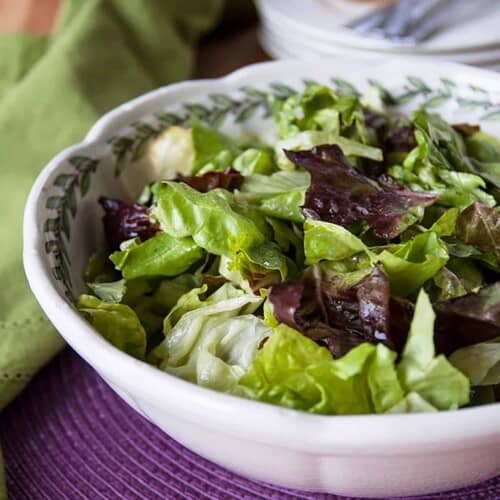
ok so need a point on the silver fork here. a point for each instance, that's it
(406, 21)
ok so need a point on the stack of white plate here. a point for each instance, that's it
(306, 29)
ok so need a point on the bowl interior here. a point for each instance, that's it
(112, 161)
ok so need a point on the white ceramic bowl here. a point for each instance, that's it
(375, 455)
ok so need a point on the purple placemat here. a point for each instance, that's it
(69, 436)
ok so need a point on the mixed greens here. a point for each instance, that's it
(352, 266)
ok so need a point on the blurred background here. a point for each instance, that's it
(454, 30)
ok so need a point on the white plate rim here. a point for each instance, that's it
(308, 21)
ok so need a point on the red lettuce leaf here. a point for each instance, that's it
(400, 139)
(479, 225)
(123, 221)
(460, 322)
(467, 320)
(337, 316)
(340, 194)
(229, 179)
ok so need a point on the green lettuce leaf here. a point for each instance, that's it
(484, 149)
(293, 371)
(162, 255)
(257, 186)
(212, 150)
(410, 265)
(289, 238)
(121, 290)
(153, 307)
(279, 375)
(187, 302)
(112, 292)
(421, 371)
(362, 381)
(285, 206)
(99, 269)
(278, 195)
(407, 265)
(308, 111)
(212, 219)
(117, 323)
(212, 342)
(262, 266)
(309, 139)
(150, 299)
(319, 108)
(479, 362)
(439, 164)
(446, 285)
(467, 272)
(412, 403)
(445, 225)
(168, 292)
(327, 241)
(254, 161)
(256, 268)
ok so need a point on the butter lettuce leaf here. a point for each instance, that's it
(310, 139)
(279, 375)
(411, 264)
(412, 403)
(484, 149)
(279, 195)
(212, 150)
(479, 362)
(254, 161)
(421, 371)
(117, 323)
(326, 241)
(440, 165)
(292, 371)
(162, 255)
(262, 266)
(212, 341)
(212, 220)
(408, 265)
(319, 108)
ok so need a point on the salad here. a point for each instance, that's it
(350, 266)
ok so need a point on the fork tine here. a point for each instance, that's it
(370, 21)
(429, 24)
(405, 14)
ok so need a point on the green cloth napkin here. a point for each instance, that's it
(52, 89)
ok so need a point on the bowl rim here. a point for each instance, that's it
(384, 434)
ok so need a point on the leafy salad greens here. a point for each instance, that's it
(352, 266)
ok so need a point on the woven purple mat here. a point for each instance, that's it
(69, 436)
